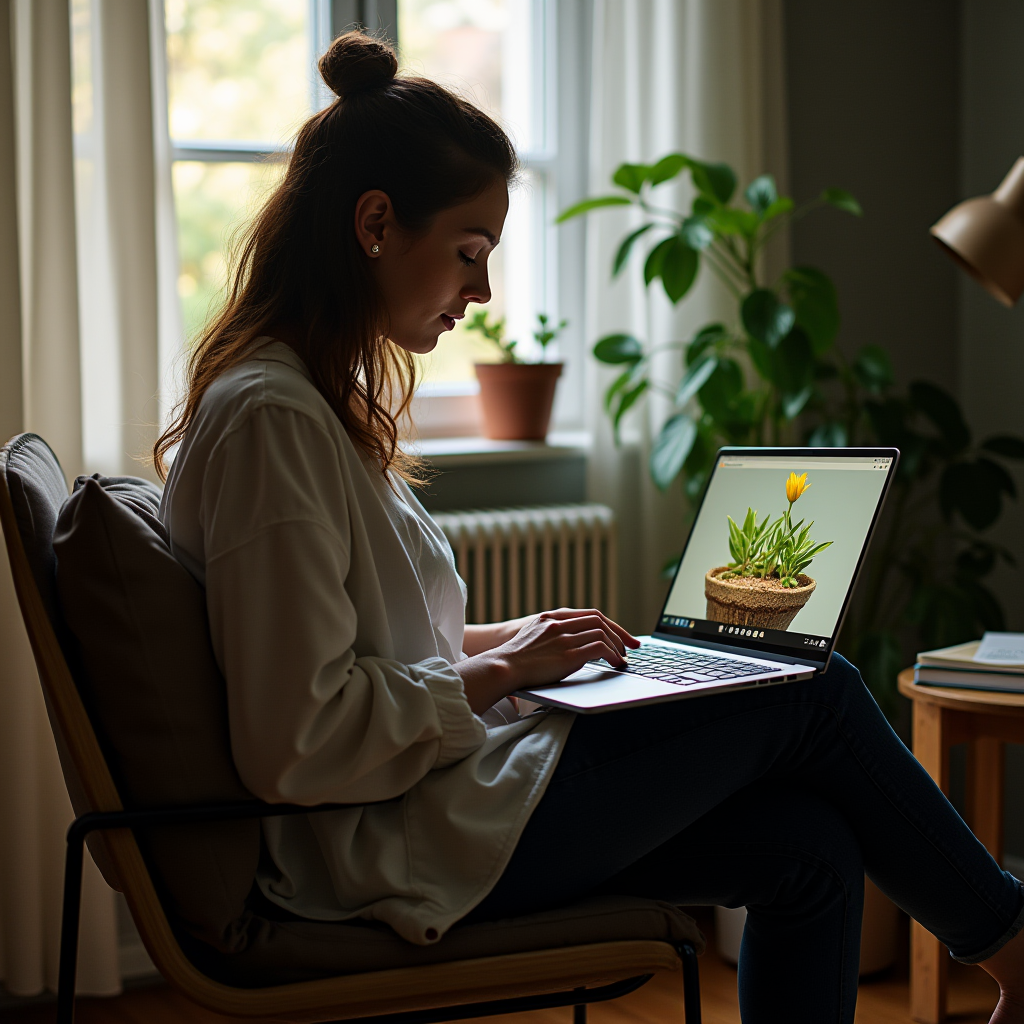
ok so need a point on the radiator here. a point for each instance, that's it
(516, 561)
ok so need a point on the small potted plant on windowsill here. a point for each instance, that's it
(516, 396)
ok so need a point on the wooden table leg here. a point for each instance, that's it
(985, 793)
(929, 960)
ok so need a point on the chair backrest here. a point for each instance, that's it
(32, 491)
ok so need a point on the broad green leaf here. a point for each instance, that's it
(678, 269)
(815, 304)
(942, 409)
(842, 200)
(998, 476)
(793, 405)
(702, 206)
(968, 488)
(761, 193)
(721, 390)
(696, 233)
(667, 167)
(765, 318)
(626, 402)
(1005, 445)
(763, 359)
(631, 176)
(828, 435)
(703, 340)
(715, 180)
(696, 377)
(624, 382)
(618, 348)
(671, 448)
(728, 221)
(627, 247)
(794, 363)
(656, 259)
(592, 204)
(781, 205)
(873, 369)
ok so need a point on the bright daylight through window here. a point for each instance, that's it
(241, 80)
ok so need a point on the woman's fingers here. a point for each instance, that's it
(578, 625)
(600, 637)
(569, 613)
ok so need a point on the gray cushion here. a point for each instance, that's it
(155, 695)
(38, 491)
(279, 952)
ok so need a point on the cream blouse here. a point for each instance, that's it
(336, 616)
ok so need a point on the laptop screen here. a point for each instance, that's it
(776, 546)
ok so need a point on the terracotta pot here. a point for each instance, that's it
(516, 399)
(738, 603)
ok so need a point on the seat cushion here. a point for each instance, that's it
(279, 952)
(155, 695)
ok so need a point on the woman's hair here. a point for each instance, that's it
(299, 272)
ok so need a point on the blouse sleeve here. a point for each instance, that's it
(310, 722)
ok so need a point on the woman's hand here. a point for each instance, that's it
(547, 648)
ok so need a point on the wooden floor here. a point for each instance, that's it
(881, 1000)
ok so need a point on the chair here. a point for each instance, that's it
(561, 967)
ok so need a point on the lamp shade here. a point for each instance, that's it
(986, 237)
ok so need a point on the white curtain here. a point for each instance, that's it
(86, 223)
(702, 77)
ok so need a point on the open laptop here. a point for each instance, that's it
(746, 631)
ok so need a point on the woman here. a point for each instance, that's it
(338, 621)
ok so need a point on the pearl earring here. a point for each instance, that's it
(375, 248)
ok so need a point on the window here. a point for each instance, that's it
(242, 78)
(240, 82)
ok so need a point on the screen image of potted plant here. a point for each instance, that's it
(765, 584)
(516, 396)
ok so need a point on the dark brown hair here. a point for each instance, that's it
(300, 274)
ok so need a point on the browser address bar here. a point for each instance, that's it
(809, 463)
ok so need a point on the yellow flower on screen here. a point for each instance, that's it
(795, 486)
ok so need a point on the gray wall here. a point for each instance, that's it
(872, 101)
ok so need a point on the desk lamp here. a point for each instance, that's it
(985, 236)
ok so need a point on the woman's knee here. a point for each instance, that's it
(814, 856)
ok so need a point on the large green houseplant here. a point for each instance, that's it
(774, 375)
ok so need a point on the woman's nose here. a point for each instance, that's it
(478, 291)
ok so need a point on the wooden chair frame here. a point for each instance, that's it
(571, 976)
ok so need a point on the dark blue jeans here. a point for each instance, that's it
(777, 799)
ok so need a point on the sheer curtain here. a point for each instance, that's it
(703, 77)
(86, 229)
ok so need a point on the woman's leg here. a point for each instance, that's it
(629, 781)
(793, 861)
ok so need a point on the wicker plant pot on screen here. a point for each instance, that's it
(747, 601)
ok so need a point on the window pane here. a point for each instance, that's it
(214, 202)
(238, 69)
(486, 50)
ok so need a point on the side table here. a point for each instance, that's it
(984, 720)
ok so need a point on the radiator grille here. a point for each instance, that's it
(517, 561)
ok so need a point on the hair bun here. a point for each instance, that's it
(356, 62)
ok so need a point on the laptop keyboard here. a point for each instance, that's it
(686, 668)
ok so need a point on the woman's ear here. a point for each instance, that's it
(374, 222)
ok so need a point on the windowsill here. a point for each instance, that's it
(478, 451)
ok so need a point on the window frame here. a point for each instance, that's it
(562, 31)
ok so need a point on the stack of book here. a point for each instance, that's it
(955, 666)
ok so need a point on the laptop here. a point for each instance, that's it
(745, 607)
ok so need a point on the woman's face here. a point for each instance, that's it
(428, 279)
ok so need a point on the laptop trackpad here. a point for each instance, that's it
(596, 687)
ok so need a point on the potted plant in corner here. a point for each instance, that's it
(516, 396)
